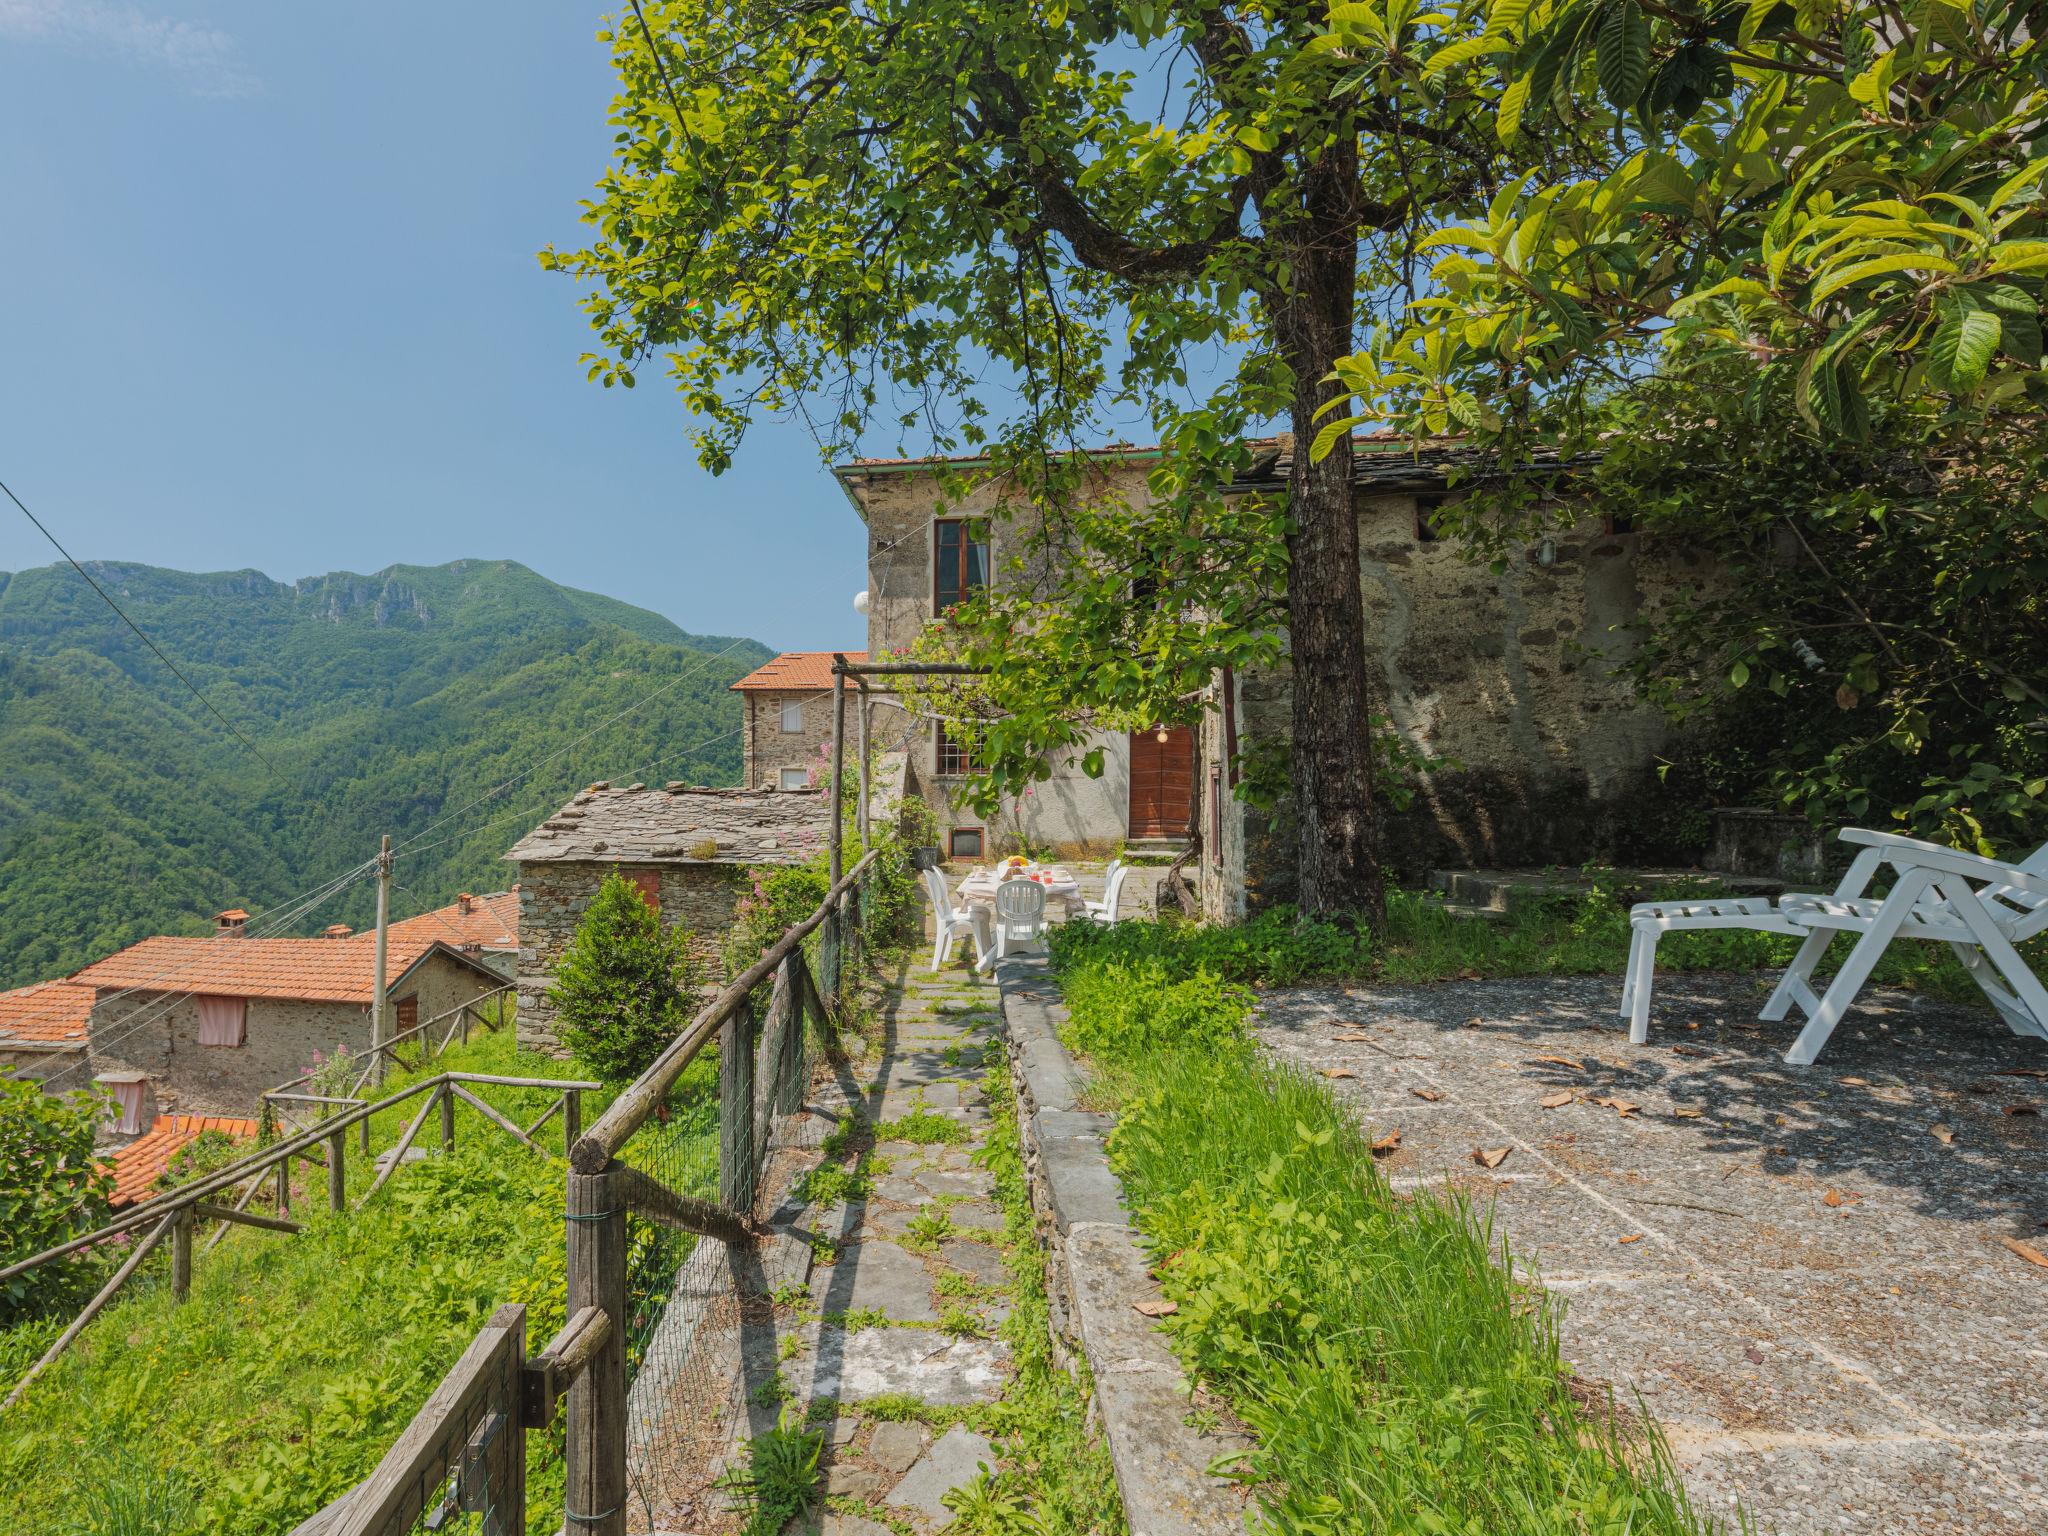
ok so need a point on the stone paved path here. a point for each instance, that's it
(1807, 1283)
(895, 1329)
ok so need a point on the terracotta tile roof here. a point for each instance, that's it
(487, 922)
(795, 670)
(137, 1166)
(49, 1013)
(303, 970)
(638, 825)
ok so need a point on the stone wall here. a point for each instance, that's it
(767, 749)
(553, 895)
(278, 1042)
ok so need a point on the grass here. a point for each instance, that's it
(1396, 1378)
(298, 1359)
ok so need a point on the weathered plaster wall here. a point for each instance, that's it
(33, 1063)
(278, 1042)
(554, 894)
(767, 749)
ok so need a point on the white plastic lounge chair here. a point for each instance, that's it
(1020, 916)
(949, 921)
(1980, 907)
(1104, 911)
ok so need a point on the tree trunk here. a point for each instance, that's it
(1333, 758)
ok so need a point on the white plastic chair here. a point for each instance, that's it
(949, 921)
(1020, 916)
(1980, 907)
(1104, 911)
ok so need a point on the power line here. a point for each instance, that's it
(160, 656)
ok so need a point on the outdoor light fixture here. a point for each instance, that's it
(1161, 737)
(1546, 552)
(860, 601)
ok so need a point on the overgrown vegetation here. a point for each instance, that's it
(297, 1360)
(623, 989)
(51, 1189)
(1394, 1374)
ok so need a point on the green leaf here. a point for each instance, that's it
(1877, 266)
(1514, 101)
(1624, 63)
(1738, 674)
(1964, 346)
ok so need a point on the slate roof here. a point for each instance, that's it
(673, 825)
(487, 923)
(1380, 461)
(49, 1014)
(137, 1166)
(793, 671)
(297, 970)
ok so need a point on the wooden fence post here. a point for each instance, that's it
(447, 1120)
(572, 1118)
(789, 1071)
(595, 1499)
(181, 1256)
(736, 1109)
(284, 1185)
(337, 1171)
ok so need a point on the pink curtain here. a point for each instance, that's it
(223, 1020)
(129, 1097)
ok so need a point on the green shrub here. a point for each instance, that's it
(623, 987)
(1274, 948)
(1124, 1009)
(50, 1189)
(208, 1152)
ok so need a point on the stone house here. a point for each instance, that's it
(690, 850)
(788, 723)
(484, 926)
(205, 1025)
(43, 1029)
(1504, 682)
(923, 557)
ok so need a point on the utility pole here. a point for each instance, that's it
(377, 1035)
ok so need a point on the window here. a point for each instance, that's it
(408, 1014)
(648, 883)
(964, 843)
(128, 1101)
(959, 561)
(1615, 523)
(793, 717)
(955, 756)
(1426, 508)
(796, 778)
(223, 1021)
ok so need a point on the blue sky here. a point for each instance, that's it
(270, 300)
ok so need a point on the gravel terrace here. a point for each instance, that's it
(1806, 1273)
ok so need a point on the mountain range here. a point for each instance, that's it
(374, 704)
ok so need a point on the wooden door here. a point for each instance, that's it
(1162, 782)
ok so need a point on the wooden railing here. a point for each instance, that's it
(457, 1033)
(176, 1213)
(760, 1076)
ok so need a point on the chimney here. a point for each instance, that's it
(336, 931)
(229, 924)
(465, 901)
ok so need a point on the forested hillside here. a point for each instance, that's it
(382, 702)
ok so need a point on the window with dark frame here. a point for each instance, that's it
(964, 843)
(955, 756)
(1616, 523)
(408, 1013)
(959, 561)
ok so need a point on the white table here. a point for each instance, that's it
(979, 888)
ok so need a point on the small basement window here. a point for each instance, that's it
(1615, 523)
(793, 717)
(796, 778)
(1426, 509)
(224, 1021)
(964, 843)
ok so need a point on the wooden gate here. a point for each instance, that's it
(1162, 782)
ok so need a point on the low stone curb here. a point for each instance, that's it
(1095, 1274)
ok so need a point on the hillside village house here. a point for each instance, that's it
(205, 1025)
(921, 564)
(688, 849)
(43, 1029)
(486, 927)
(1505, 680)
(788, 724)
